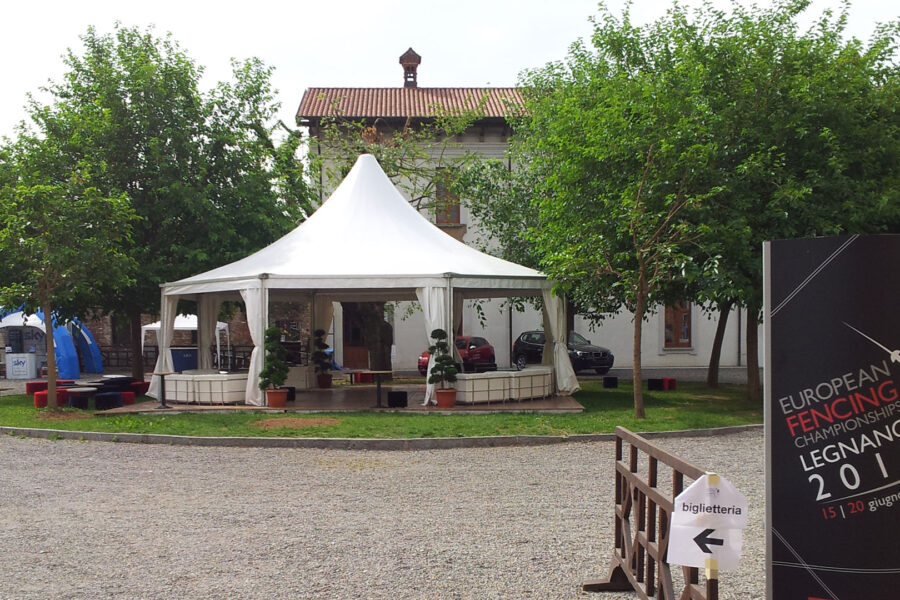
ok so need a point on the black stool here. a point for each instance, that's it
(610, 382)
(397, 399)
(108, 400)
(78, 401)
(654, 384)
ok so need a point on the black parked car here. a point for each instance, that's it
(529, 348)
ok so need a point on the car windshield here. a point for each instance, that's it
(461, 344)
(577, 338)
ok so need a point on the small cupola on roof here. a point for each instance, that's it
(410, 61)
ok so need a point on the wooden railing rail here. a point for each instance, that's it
(642, 515)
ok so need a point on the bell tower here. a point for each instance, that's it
(410, 61)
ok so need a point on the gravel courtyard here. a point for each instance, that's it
(103, 520)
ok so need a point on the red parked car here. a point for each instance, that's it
(476, 352)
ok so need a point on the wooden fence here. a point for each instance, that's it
(642, 515)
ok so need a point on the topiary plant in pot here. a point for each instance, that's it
(275, 371)
(321, 359)
(444, 369)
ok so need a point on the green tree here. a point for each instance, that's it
(621, 139)
(206, 175)
(61, 238)
(690, 141)
(808, 143)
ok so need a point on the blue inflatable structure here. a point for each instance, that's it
(91, 359)
(67, 363)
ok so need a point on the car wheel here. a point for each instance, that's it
(521, 361)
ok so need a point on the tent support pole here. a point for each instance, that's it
(264, 321)
(451, 334)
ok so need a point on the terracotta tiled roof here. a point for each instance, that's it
(404, 102)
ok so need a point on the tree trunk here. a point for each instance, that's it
(754, 387)
(137, 356)
(51, 354)
(640, 308)
(712, 374)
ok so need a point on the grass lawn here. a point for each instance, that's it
(692, 406)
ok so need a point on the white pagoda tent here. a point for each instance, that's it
(365, 243)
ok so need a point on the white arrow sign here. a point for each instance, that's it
(699, 547)
(706, 525)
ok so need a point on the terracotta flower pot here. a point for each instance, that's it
(276, 398)
(324, 380)
(446, 398)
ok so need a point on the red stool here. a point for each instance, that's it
(668, 383)
(35, 386)
(140, 387)
(40, 398)
(127, 398)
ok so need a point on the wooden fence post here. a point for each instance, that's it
(642, 516)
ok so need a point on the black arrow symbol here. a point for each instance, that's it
(704, 541)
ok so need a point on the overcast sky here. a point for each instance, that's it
(332, 43)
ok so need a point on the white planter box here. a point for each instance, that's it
(492, 386)
(220, 388)
(534, 382)
(179, 388)
(207, 388)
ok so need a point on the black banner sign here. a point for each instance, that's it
(833, 418)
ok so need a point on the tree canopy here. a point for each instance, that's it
(660, 156)
(61, 238)
(208, 176)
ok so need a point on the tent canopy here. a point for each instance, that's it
(365, 243)
(182, 323)
(367, 236)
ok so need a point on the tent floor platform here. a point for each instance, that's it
(362, 398)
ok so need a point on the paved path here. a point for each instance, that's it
(102, 520)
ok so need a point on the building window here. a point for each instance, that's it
(678, 326)
(446, 201)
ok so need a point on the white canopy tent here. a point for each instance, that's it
(365, 243)
(20, 319)
(188, 323)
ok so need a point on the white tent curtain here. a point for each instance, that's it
(255, 305)
(207, 309)
(555, 323)
(324, 312)
(433, 301)
(169, 306)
